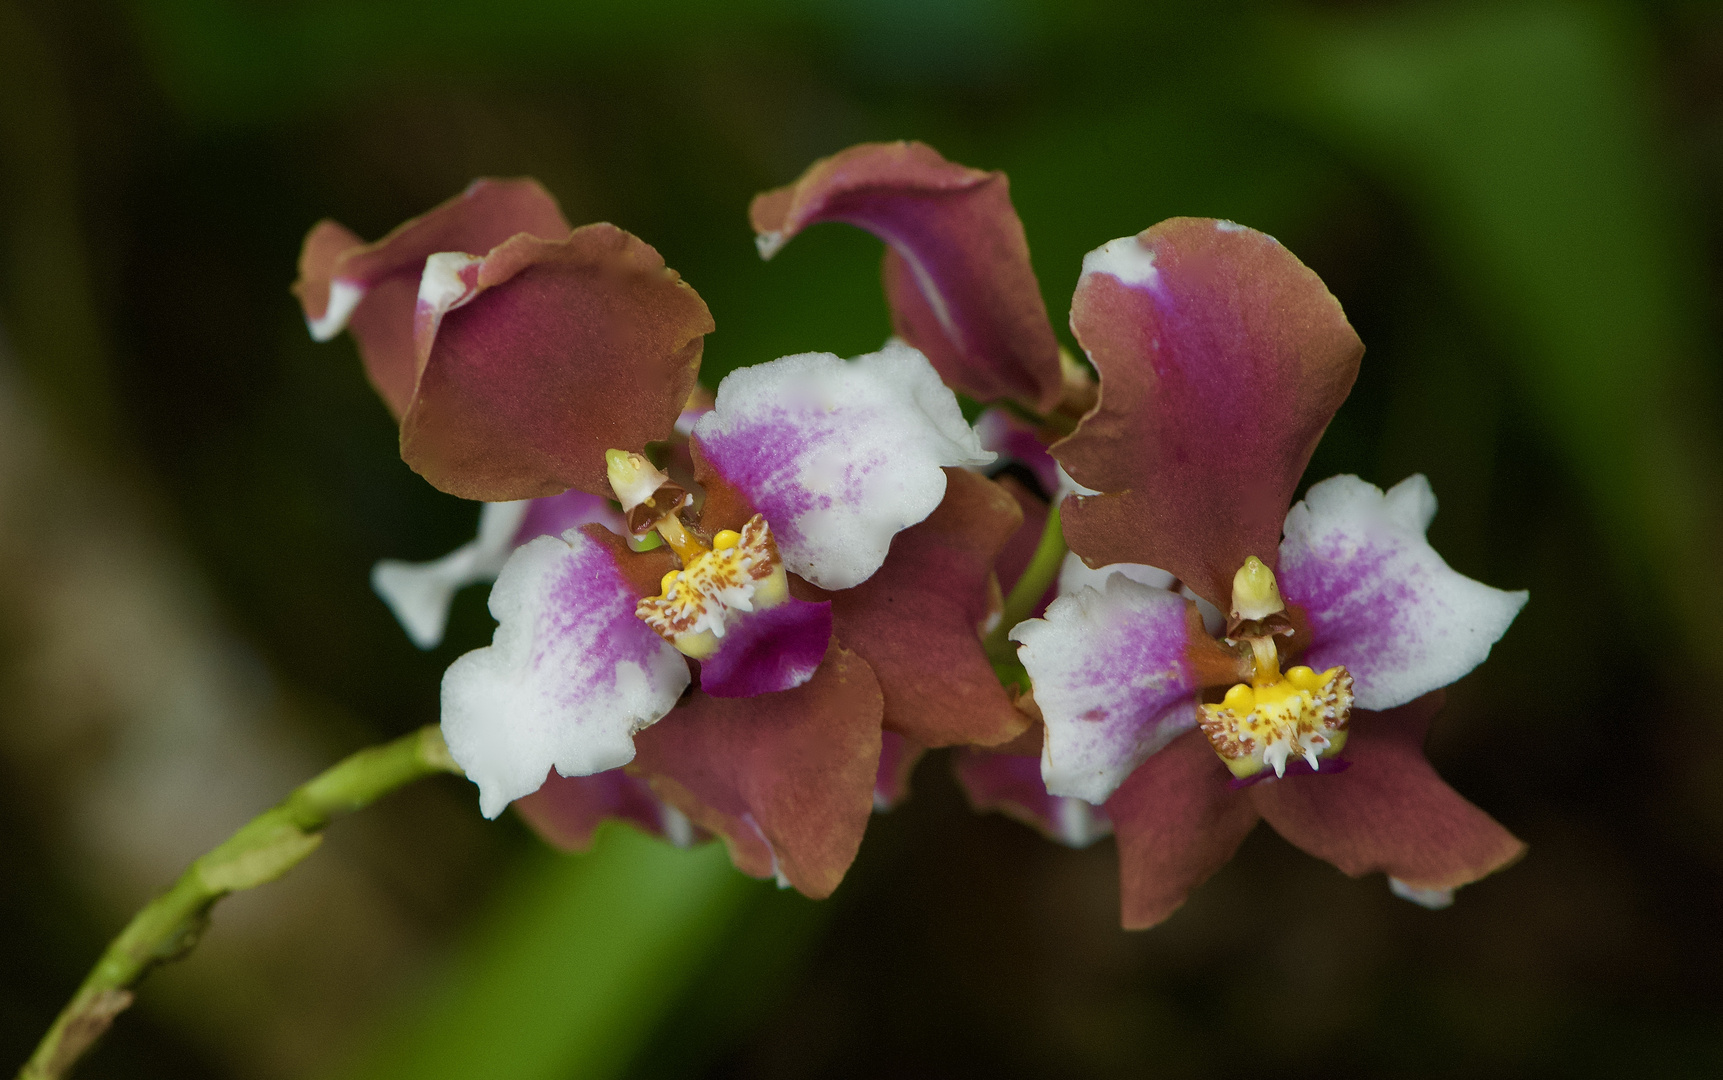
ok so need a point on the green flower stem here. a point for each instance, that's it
(1042, 571)
(262, 850)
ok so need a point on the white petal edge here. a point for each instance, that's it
(1111, 681)
(1379, 598)
(1074, 574)
(420, 593)
(839, 455)
(344, 297)
(567, 680)
(1433, 899)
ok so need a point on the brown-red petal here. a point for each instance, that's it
(787, 779)
(917, 620)
(1222, 359)
(567, 348)
(956, 270)
(568, 809)
(385, 273)
(1390, 811)
(1177, 822)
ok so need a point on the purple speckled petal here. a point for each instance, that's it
(766, 651)
(1378, 598)
(567, 680)
(956, 271)
(1114, 681)
(565, 810)
(839, 456)
(1222, 358)
(1012, 785)
(419, 593)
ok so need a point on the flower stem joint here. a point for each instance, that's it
(1276, 718)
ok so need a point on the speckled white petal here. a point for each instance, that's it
(839, 455)
(419, 593)
(1074, 574)
(1379, 598)
(1112, 682)
(567, 680)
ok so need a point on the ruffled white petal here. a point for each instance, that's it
(1379, 598)
(839, 456)
(567, 680)
(1074, 574)
(419, 593)
(1111, 680)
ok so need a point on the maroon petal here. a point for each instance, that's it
(566, 810)
(561, 350)
(956, 270)
(786, 779)
(917, 621)
(1011, 784)
(1177, 822)
(897, 760)
(1222, 358)
(1389, 812)
(776, 649)
(385, 274)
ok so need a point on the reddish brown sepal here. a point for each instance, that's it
(568, 809)
(956, 270)
(917, 620)
(787, 779)
(1218, 376)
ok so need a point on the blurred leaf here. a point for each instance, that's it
(1522, 137)
(572, 968)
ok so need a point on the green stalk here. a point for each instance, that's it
(262, 850)
(1042, 571)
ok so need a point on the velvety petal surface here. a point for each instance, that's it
(917, 622)
(786, 779)
(1222, 358)
(838, 455)
(767, 651)
(1115, 673)
(375, 287)
(1011, 784)
(554, 352)
(1177, 823)
(957, 272)
(1389, 812)
(570, 674)
(1378, 598)
(419, 593)
(897, 760)
(565, 810)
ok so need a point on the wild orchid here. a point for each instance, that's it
(806, 473)
(1221, 360)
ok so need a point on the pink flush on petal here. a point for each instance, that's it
(774, 649)
(556, 514)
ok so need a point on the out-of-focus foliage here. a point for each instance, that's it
(1517, 203)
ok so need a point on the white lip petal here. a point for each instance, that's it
(419, 593)
(1379, 599)
(838, 455)
(567, 680)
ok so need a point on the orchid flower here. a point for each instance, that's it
(806, 474)
(1222, 359)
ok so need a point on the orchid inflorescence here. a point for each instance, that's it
(747, 614)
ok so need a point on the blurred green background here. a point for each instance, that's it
(1520, 205)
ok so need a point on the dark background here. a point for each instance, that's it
(1519, 205)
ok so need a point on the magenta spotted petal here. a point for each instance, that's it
(956, 269)
(1113, 680)
(838, 455)
(1378, 598)
(570, 675)
(1222, 358)
(419, 594)
(765, 651)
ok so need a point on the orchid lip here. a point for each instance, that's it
(1327, 766)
